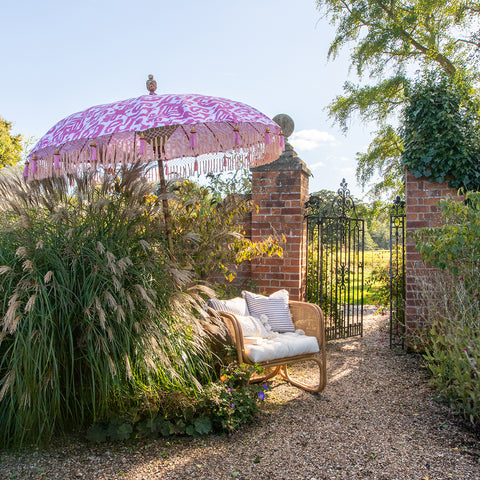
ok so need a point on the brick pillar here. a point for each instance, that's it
(279, 191)
(421, 202)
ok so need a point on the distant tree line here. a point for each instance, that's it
(375, 215)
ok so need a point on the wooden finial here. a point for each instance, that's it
(151, 85)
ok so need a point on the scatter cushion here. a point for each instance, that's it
(281, 294)
(237, 305)
(251, 326)
(275, 307)
(282, 346)
(263, 319)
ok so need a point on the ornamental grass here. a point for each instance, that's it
(95, 318)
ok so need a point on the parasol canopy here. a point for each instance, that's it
(182, 134)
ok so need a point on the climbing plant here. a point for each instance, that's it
(440, 134)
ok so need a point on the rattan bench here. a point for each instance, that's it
(307, 317)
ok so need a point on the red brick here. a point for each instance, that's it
(415, 224)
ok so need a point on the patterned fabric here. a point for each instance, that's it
(251, 326)
(236, 306)
(275, 307)
(184, 127)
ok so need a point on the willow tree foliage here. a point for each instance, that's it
(390, 40)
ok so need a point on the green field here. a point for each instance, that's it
(375, 280)
(375, 260)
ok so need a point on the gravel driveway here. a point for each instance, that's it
(376, 419)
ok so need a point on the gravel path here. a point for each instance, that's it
(376, 419)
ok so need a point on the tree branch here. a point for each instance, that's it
(439, 58)
(471, 42)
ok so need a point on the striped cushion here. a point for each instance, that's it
(237, 305)
(275, 307)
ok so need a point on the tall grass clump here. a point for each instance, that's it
(453, 305)
(95, 319)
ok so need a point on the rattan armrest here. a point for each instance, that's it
(234, 330)
(309, 318)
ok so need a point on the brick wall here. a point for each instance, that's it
(279, 191)
(422, 210)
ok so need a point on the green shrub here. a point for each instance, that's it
(223, 406)
(452, 300)
(453, 348)
(233, 401)
(208, 231)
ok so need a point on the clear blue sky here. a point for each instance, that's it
(61, 57)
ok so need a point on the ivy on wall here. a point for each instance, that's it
(440, 134)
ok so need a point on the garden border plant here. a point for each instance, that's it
(223, 406)
(452, 300)
(97, 323)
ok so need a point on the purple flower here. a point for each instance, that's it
(229, 390)
(265, 386)
(461, 279)
(261, 395)
(233, 405)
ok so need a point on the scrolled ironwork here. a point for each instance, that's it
(398, 206)
(335, 262)
(343, 204)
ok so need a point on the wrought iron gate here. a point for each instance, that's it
(335, 263)
(397, 273)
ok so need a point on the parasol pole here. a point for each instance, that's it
(151, 87)
(166, 208)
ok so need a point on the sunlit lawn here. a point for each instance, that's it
(374, 260)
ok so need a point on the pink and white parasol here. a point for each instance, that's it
(188, 133)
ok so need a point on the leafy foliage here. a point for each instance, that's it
(383, 156)
(440, 135)
(453, 358)
(98, 325)
(455, 245)
(234, 401)
(10, 145)
(223, 406)
(390, 40)
(208, 226)
(453, 348)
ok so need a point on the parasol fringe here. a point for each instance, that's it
(249, 151)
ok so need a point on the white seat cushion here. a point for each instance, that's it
(283, 345)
